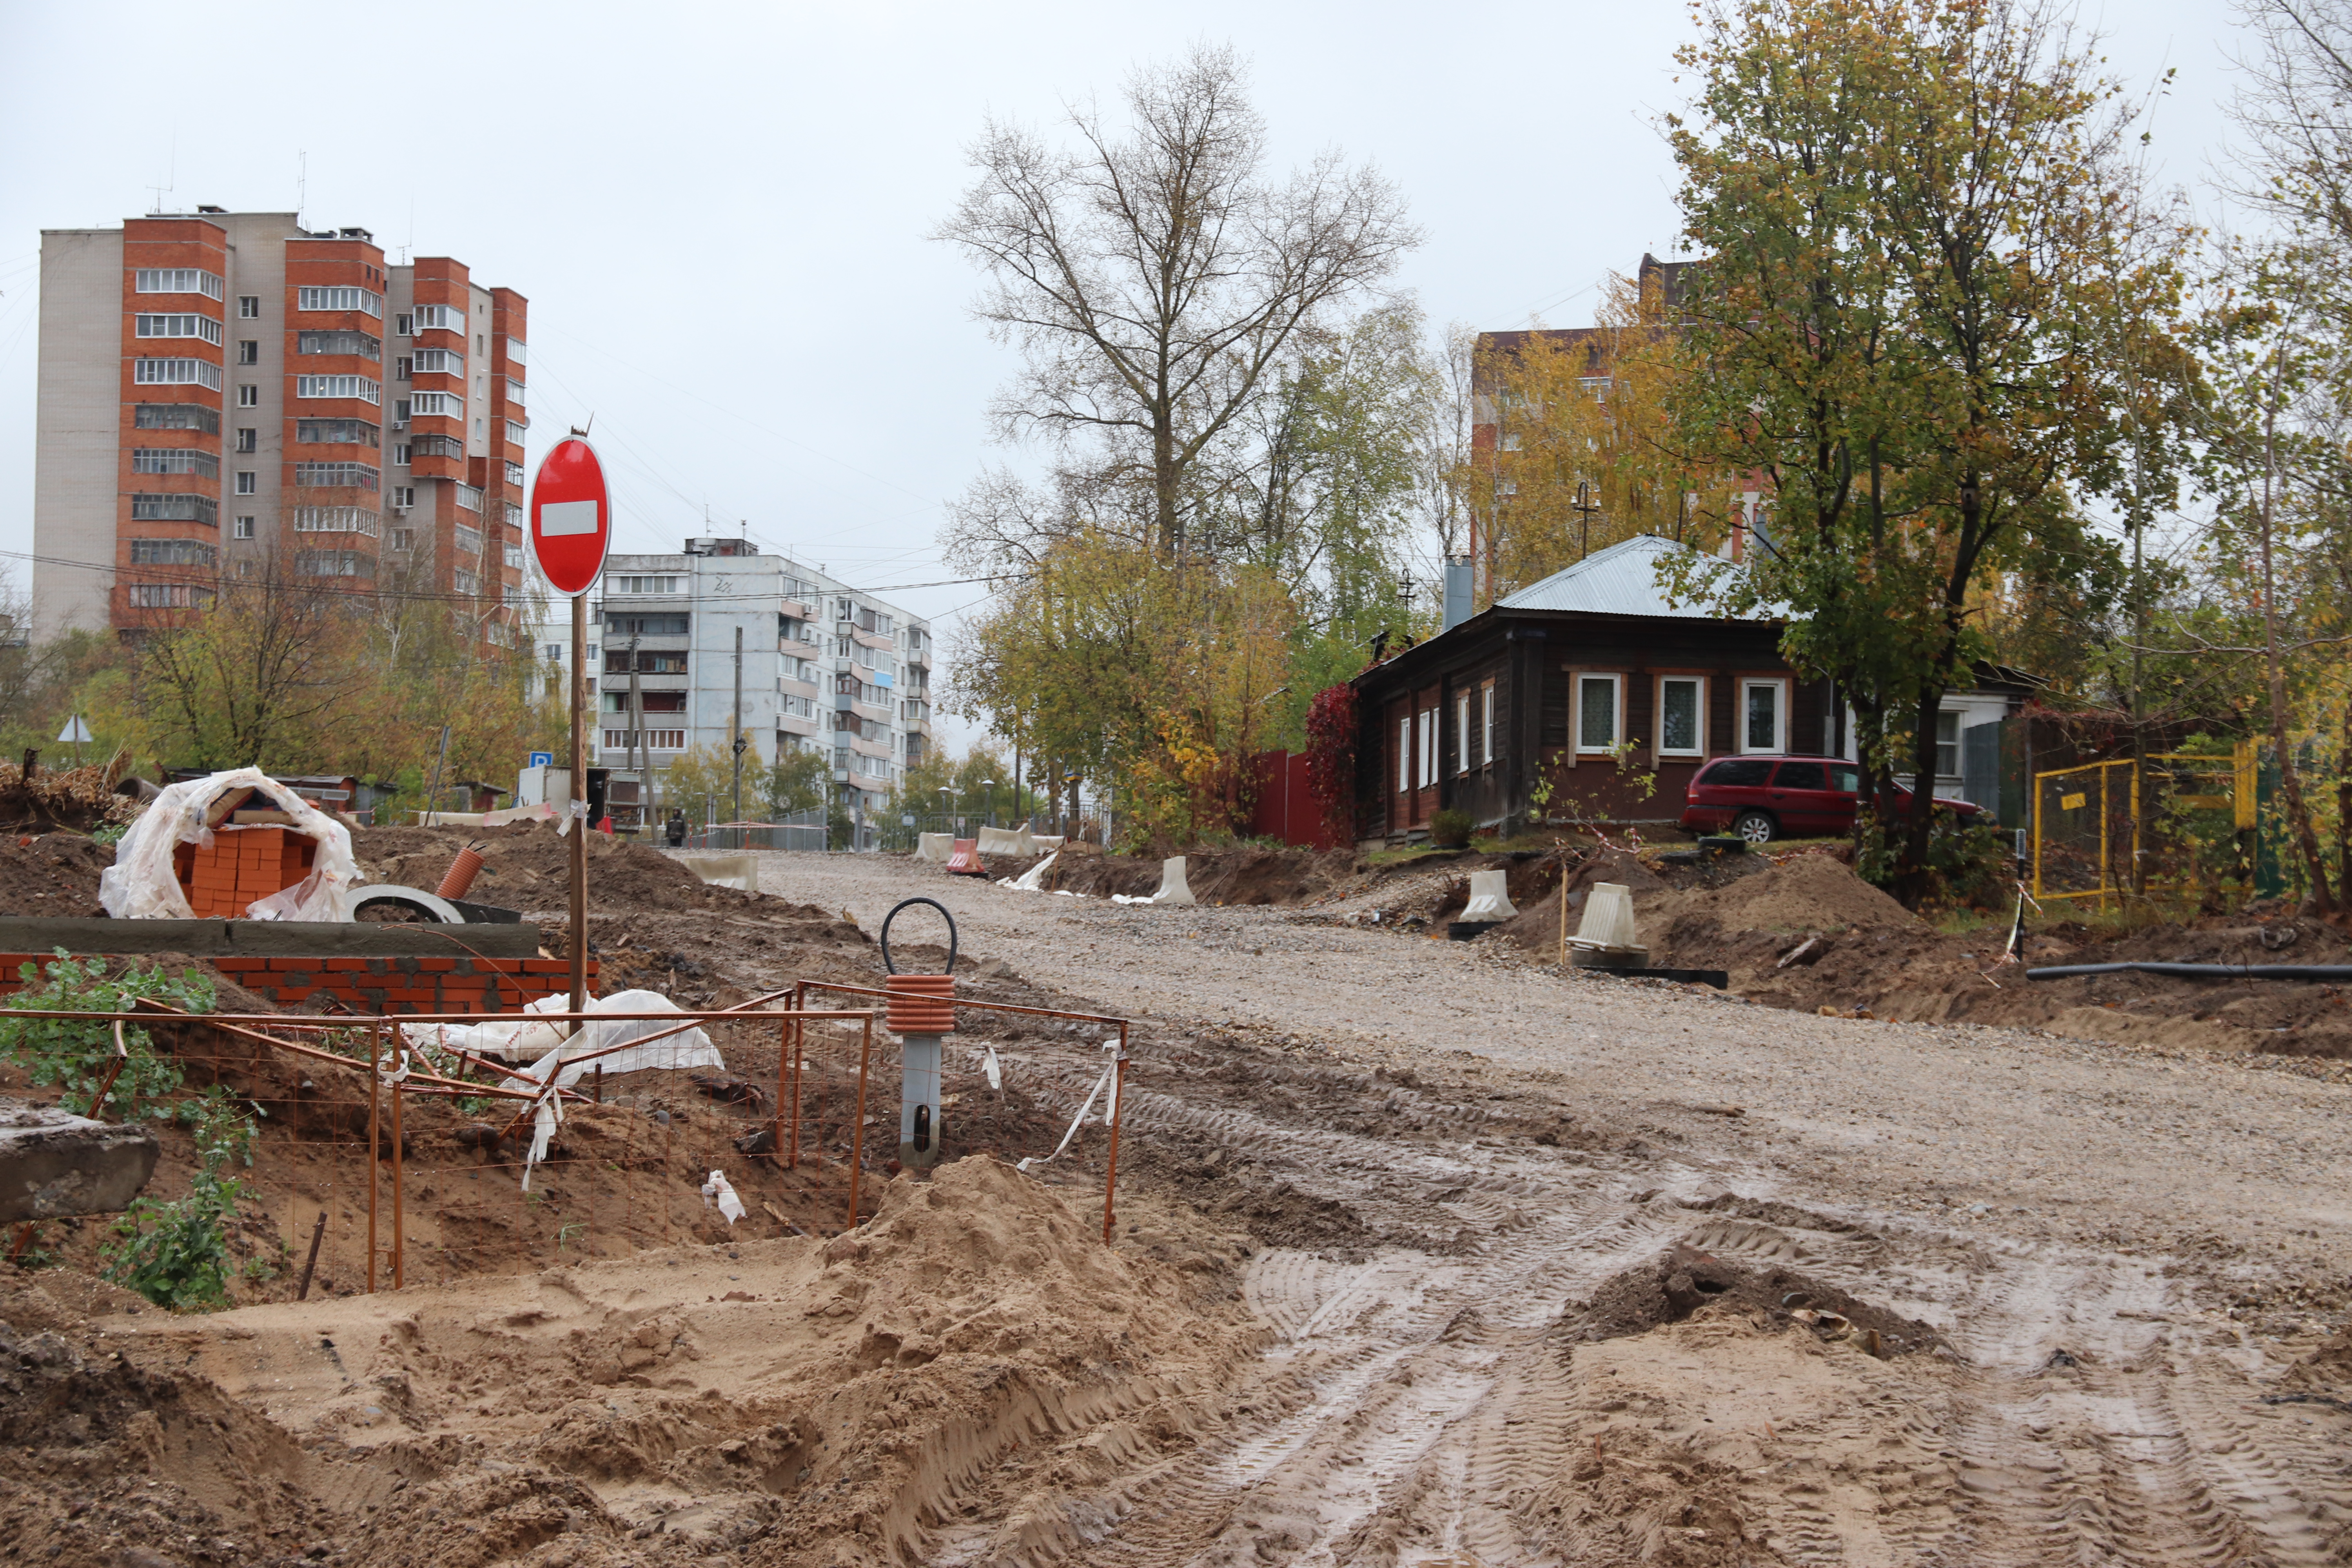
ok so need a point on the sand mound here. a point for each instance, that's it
(1806, 892)
(788, 1401)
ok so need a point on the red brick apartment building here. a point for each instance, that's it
(220, 389)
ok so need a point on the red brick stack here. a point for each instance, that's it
(376, 986)
(240, 864)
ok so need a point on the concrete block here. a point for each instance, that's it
(1174, 887)
(1490, 897)
(53, 1164)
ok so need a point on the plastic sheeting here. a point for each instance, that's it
(720, 1191)
(1490, 896)
(1174, 887)
(517, 1038)
(142, 884)
(1033, 880)
(741, 872)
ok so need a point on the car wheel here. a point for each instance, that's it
(1756, 827)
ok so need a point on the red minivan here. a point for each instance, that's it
(1764, 798)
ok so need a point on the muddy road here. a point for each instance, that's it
(2128, 1268)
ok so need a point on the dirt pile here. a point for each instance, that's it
(52, 873)
(778, 1401)
(120, 1461)
(77, 798)
(527, 865)
(1684, 1279)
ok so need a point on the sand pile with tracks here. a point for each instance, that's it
(784, 1402)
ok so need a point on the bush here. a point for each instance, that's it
(1450, 829)
(176, 1253)
(75, 1054)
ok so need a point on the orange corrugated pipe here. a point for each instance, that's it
(462, 872)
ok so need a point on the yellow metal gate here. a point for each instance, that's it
(2168, 827)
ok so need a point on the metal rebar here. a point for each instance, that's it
(375, 1049)
(399, 1215)
(857, 1133)
(317, 1235)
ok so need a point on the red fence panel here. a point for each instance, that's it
(1286, 808)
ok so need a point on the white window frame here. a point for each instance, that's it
(514, 392)
(1698, 748)
(339, 297)
(178, 280)
(175, 324)
(248, 307)
(468, 539)
(644, 585)
(517, 350)
(351, 386)
(1462, 763)
(1429, 747)
(436, 405)
(1779, 690)
(1616, 713)
(443, 361)
(248, 397)
(240, 528)
(515, 433)
(1959, 719)
(248, 483)
(175, 373)
(438, 319)
(1404, 754)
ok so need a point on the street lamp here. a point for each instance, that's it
(991, 802)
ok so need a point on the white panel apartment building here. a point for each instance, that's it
(823, 667)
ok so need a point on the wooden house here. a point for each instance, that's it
(1588, 696)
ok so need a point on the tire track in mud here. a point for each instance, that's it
(1417, 1408)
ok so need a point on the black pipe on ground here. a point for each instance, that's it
(2337, 972)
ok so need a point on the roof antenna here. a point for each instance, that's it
(301, 186)
(171, 179)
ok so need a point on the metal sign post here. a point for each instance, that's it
(570, 528)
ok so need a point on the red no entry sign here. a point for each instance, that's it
(571, 516)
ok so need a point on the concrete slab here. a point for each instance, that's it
(54, 1165)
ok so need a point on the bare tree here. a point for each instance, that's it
(1152, 278)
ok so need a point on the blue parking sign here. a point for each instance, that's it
(541, 760)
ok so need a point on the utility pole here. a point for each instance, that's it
(637, 734)
(738, 724)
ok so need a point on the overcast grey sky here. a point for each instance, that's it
(718, 213)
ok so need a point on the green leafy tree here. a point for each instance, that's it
(1924, 320)
(798, 780)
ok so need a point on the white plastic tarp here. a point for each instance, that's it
(517, 1038)
(1033, 880)
(142, 885)
(1174, 887)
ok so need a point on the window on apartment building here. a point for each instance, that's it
(478, 427)
(440, 318)
(514, 555)
(173, 552)
(354, 432)
(515, 431)
(465, 581)
(1511, 442)
(362, 476)
(437, 362)
(436, 405)
(404, 495)
(174, 417)
(404, 366)
(177, 326)
(405, 324)
(639, 584)
(159, 595)
(366, 345)
(336, 519)
(248, 482)
(340, 298)
(334, 564)
(400, 454)
(147, 507)
(248, 307)
(404, 539)
(358, 386)
(469, 498)
(247, 438)
(468, 539)
(178, 280)
(175, 373)
(174, 460)
(241, 528)
(514, 473)
(248, 397)
(248, 350)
